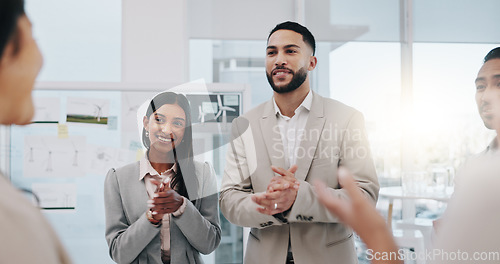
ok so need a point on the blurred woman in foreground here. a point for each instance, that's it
(25, 235)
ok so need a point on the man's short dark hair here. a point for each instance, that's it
(493, 54)
(307, 36)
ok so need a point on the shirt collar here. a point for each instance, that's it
(306, 103)
(493, 146)
(145, 168)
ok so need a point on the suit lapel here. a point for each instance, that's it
(138, 194)
(272, 136)
(312, 133)
(139, 191)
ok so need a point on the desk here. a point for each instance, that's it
(414, 232)
(396, 192)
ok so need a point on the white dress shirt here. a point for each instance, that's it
(149, 173)
(292, 129)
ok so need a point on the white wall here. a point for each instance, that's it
(154, 41)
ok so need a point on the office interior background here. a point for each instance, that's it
(408, 65)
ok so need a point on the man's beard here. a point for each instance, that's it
(297, 80)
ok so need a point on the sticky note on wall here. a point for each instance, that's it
(62, 131)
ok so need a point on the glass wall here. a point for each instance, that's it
(366, 76)
(446, 123)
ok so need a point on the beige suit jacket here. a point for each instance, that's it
(25, 235)
(334, 136)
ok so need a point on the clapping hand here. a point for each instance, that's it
(360, 214)
(281, 192)
(165, 200)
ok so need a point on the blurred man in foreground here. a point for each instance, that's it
(469, 228)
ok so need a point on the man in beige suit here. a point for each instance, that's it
(280, 147)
